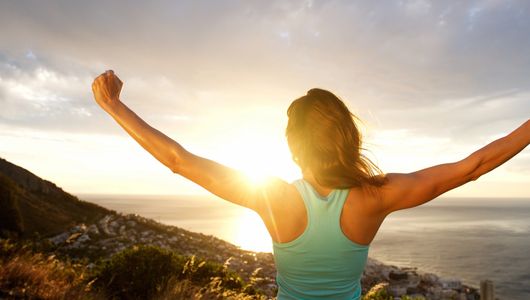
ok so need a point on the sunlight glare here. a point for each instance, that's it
(256, 177)
(258, 157)
(252, 234)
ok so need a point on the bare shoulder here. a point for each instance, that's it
(372, 199)
(362, 214)
(284, 212)
(276, 195)
(364, 202)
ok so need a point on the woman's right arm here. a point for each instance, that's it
(409, 190)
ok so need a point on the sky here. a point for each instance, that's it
(432, 82)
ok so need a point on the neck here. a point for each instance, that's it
(308, 176)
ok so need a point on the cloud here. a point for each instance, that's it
(440, 76)
(436, 67)
(470, 120)
(34, 95)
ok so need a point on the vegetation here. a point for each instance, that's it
(28, 275)
(143, 272)
(42, 207)
(147, 272)
(10, 219)
(380, 292)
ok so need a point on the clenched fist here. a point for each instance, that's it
(106, 88)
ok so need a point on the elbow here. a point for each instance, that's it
(175, 164)
(474, 176)
(474, 168)
(175, 168)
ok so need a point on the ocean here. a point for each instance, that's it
(471, 239)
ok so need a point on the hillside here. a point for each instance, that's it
(44, 207)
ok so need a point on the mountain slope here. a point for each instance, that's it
(44, 207)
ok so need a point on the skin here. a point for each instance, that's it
(279, 204)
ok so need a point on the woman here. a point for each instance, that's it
(321, 225)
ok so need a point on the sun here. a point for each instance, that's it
(259, 158)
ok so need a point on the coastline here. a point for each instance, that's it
(116, 231)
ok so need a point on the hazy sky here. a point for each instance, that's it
(433, 81)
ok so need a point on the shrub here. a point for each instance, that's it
(147, 272)
(138, 273)
(378, 292)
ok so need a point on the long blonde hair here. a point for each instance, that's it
(322, 136)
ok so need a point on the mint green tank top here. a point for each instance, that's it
(321, 263)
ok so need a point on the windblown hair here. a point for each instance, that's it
(323, 137)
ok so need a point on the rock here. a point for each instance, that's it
(147, 232)
(449, 294)
(78, 228)
(60, 238)
(83, 238)
(436, 291)
(106, 219)
(73, 237)
(451, 284)
(79, 240)
(397, 290)
(104, 225)
(430, 279)
(93, 229)
(397, 275)
(413, 280)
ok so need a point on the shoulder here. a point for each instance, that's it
(276, 194)
(372, 197)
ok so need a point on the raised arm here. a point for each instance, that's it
(408, 190)
(227, 183)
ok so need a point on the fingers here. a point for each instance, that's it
(107, 73)
(105, 78)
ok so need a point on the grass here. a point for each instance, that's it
(135, 273)
(28, 275)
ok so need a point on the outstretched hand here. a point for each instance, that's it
(106, 88)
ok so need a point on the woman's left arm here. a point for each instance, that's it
(225, 182)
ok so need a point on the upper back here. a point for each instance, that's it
(322, 261)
